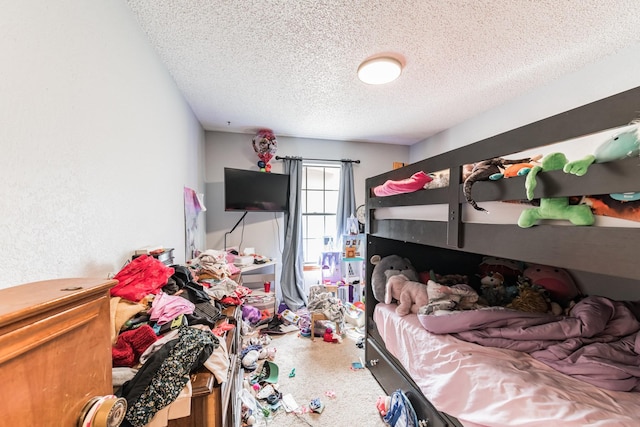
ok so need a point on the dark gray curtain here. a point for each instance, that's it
(346, 200)
(292, 279)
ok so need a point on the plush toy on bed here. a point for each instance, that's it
(552, 207)
(385, 267)
(620, 146)
(447, 298)
(482, 171)
(509, 269)
(517, 169)
(531, 299)
(410, 295)
(557, 281)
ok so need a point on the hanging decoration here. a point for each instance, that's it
(265, 145)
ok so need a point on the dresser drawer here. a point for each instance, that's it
(391, 377)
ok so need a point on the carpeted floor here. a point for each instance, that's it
(324, 370)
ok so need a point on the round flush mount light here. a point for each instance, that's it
(379, 70)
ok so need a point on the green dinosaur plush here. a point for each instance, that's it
(620, 146)
(552, 207)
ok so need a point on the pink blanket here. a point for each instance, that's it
(598, 342)
(413, 183)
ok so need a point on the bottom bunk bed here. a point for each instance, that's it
(586, 369)
(488, 386)
(453, 381)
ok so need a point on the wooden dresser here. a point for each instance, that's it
(55, 350)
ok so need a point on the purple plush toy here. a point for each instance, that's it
(250, 313)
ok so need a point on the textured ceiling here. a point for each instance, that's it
(290, 65)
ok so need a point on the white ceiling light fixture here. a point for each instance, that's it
(379, 70)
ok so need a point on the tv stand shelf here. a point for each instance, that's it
(259, 273)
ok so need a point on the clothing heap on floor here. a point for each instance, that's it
(165, 324)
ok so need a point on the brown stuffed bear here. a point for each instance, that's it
(409, 294)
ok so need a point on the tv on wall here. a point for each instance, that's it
(247, 190)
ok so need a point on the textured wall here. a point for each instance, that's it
(97, 142)
(612, 75)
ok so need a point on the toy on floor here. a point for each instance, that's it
(482, 171)
(385, 267)
(552, 207)
(382, 404)
(329, 336)
(411, 295)
(251, 354)
(316, 405)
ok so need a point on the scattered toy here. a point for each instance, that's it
(316, 405)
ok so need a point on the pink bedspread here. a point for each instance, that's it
(598, 342)
(486, 386)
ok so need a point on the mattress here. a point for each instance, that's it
(485, 386)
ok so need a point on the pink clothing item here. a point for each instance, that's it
(167, 307)
(142, 276)
(416, 182)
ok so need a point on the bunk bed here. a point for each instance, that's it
(453, 382)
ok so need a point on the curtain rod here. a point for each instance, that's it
(317, 160)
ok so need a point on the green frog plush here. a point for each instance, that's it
(553, 207)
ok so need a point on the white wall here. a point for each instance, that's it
(264, 230)
(612, 75)
(97, 142)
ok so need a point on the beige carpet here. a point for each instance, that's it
(323, 370)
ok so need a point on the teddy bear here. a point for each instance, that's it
(385, 267)
(411, 295)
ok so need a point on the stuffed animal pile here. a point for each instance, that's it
(501, 282)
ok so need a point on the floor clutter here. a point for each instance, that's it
(170, 322)
(278, 399)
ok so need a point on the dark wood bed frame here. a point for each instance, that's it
(595, 253)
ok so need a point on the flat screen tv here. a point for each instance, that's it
(247, 190)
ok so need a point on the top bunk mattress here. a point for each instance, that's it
(486, 386)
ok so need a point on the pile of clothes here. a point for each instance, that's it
(165, 324)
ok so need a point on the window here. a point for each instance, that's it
(319, 198)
